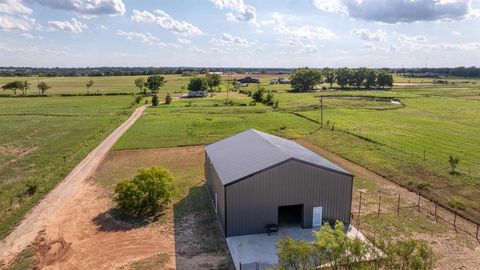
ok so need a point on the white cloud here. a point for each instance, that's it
(165, 21)
(229, 40)
(197, 50)
(18, 23)
(142, 37)
(396, 11)
(331, 6)
(27, 35)
(13, 7)
(87, 8)
(184, 40)
(239, 10)
(102, 27)
(456, 33)
(411, 39)
(30, 50)
(74, 26)
(367, 35)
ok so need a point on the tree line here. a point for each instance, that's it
(306, 79)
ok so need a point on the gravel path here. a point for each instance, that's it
(46, 211)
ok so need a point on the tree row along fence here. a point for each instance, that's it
(375, 205)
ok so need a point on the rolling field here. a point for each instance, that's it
(42, 139)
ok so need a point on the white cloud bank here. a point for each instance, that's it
(399, 11)
(367, 35)
(141, 37)
(239, 10)
(74, 26)
(166, 21)
(87, 8)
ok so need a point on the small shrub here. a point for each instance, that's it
(228, 102)
(155, 100)
(168, 99)
(458, 204)
(138, 99)
(31, 187)
(268, 100)
(275, 104)
(150, 190)
(283, 127)
(258, 95)
(242, 104)
(216, 105)
(252, 103)
(453, 162)
(423, 185)
(324, 88)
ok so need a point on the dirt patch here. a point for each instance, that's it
(14, 151)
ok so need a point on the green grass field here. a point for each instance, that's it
(381, 136)
(42, 139)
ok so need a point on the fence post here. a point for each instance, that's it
(436, 206)
(359, 208)
(455, 221)
(379, 202)
(419, 201)
(398, 206)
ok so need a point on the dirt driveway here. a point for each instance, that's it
(48, 209)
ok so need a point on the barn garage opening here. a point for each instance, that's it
(290, 216)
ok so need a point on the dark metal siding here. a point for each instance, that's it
(215, 185)
(253, 203)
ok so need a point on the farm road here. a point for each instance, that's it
(44, 212)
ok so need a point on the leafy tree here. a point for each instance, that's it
(305, 79)
(329, 76)
(155, 100)
(197, 84)
(88, 85)
(13, 86)
(384, 79)
(145, 194)
(453, 162)
(154, 83)
(213, 80)
(140, 84)
(168, 99)
(25, 87)
(370, 78)
(343, 76)
(257, 96)
(294, 255)
(358, 76)
(43, 87)
(409, 254)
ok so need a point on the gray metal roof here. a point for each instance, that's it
(252, 151)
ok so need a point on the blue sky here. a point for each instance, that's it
(240, 33)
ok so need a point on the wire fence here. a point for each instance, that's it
(377, 205)
(256, 266)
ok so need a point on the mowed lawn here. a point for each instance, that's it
(42, 139)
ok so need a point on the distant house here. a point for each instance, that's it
(215, 73)
(248, 79)
(273, 81)
(192, 94)
(257, 180)
(283, 81)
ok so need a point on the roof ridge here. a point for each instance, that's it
(271, 143)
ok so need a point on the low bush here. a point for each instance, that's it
(148, 192)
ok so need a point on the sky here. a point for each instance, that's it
(240, 33)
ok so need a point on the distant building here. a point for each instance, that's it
(248, 80)
(283, 81)
(192, 94)
(215, 73)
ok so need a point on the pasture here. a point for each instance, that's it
(409, 143)
(42, 139)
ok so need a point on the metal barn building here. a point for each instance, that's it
(256, 179)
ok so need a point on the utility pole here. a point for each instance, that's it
(321, 110)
